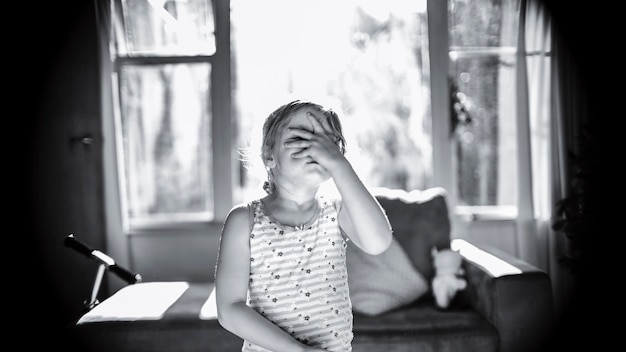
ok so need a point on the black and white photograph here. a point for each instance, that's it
(313, 175)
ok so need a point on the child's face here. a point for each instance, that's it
(296, 170)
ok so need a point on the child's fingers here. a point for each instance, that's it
(320, 124)
(302, 153)
(300, 133)
(298, 143)
(323, 125)
(326, 125)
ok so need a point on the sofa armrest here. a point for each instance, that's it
(511, 294)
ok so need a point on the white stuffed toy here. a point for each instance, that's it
(448, 279)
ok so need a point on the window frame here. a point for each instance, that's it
(225, 156)
(223, 169)
(445, 163)
(444, 174)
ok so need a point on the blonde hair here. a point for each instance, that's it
(274, 123)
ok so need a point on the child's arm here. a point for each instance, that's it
(231, 287)
(361, 216)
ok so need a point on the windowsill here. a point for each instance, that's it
(181, 222)
(486, 213)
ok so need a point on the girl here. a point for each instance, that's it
(281, 281)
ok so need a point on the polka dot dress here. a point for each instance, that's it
(298, 278)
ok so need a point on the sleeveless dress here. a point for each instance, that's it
(298, 278)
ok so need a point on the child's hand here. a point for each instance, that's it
(318, 144)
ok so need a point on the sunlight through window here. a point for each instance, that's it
(372, 57)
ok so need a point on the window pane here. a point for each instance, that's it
(486, 146)
(372, 56)
(166, 27)
(483, 23)
(483, 35)
(166, 130)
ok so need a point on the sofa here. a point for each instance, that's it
(506, 305)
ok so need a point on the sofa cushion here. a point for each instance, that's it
(419, 220)
(420, 326)
(379, 283)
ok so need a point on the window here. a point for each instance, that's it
(483, 40)
(164, 55)
(373, 57)
(178, 138)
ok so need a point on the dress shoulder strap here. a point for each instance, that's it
(251, 207)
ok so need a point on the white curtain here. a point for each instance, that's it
(533, 126)
(550, 109)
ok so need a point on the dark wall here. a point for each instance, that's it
(590, 31)
(59, 81)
